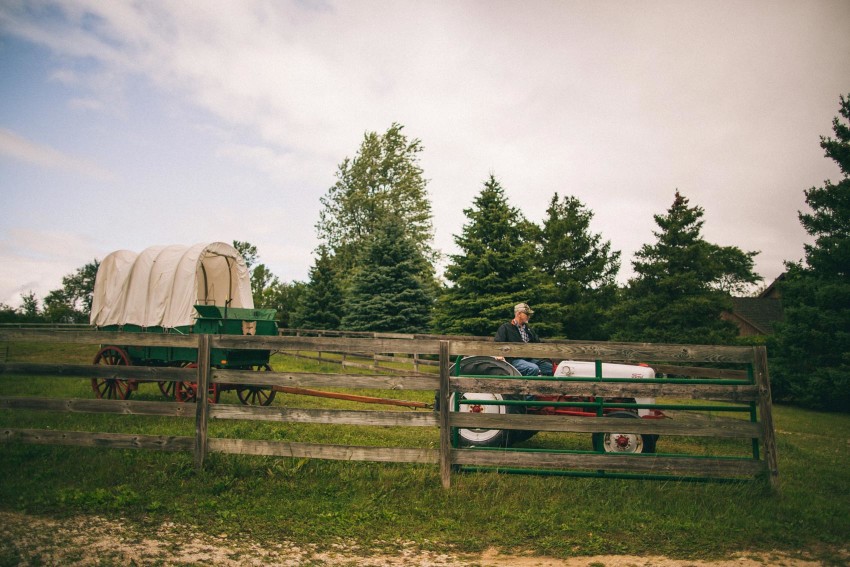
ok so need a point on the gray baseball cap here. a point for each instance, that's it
(523, 308)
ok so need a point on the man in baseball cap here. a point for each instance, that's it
(518, 330)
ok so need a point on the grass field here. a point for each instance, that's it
(382, 505)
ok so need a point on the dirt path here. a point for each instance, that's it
(82, 541)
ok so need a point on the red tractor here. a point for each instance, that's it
(585, 406)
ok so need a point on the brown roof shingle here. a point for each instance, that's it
(761, 313)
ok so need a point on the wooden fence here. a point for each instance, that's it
(718, 374)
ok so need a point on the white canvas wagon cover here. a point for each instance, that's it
(161, 286)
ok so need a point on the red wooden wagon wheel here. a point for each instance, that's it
(256, 395)
(169, 388)
(188, 391)
(112, 388)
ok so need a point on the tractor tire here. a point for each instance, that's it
(624, 442)
(489, 366)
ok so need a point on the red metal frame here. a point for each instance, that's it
(579, 411)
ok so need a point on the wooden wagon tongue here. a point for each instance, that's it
(351, 397)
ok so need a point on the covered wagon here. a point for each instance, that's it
(205, 288)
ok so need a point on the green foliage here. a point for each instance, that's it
(579, 281)
(682, 284)
(248, 251)
(29, 307)
(28, 312)
(267, 291)
(829, 221)
(382, 183)
(284, 298)
(9, 314)
(387, 293)
(72, 303)
(812, 365)
(322, 301)
(494, 271)
(262, 280)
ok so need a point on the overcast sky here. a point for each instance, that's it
(125, 125)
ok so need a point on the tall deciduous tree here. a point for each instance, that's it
(681, 285)
(321, 303)
(813, 345)
(387, 293)
(579, 270)
(494, 271)
(72, 303)
(383, 182)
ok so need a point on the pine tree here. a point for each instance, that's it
(494, 271)
(387, 293)
(322, 300)
(682, 283)
(580, 270)
(813, 345)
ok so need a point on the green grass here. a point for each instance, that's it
(381, 505)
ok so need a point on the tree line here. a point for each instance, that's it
(376, 270)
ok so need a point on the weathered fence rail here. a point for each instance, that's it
(739, 377)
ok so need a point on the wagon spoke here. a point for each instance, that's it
(256, 395)
(112, 388)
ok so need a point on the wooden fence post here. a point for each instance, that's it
(766, 411)
(202, 409)
(445, 433)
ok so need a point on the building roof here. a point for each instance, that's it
(772, 291)
(759, 312)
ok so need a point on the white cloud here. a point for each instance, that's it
(20, 149)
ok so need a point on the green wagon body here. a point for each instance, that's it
(213, 320)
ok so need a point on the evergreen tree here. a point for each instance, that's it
(813, 345)
(494, 271)
(678, 294)
(322, 301)
(579, 270)
(387, 294)
(383, 182)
